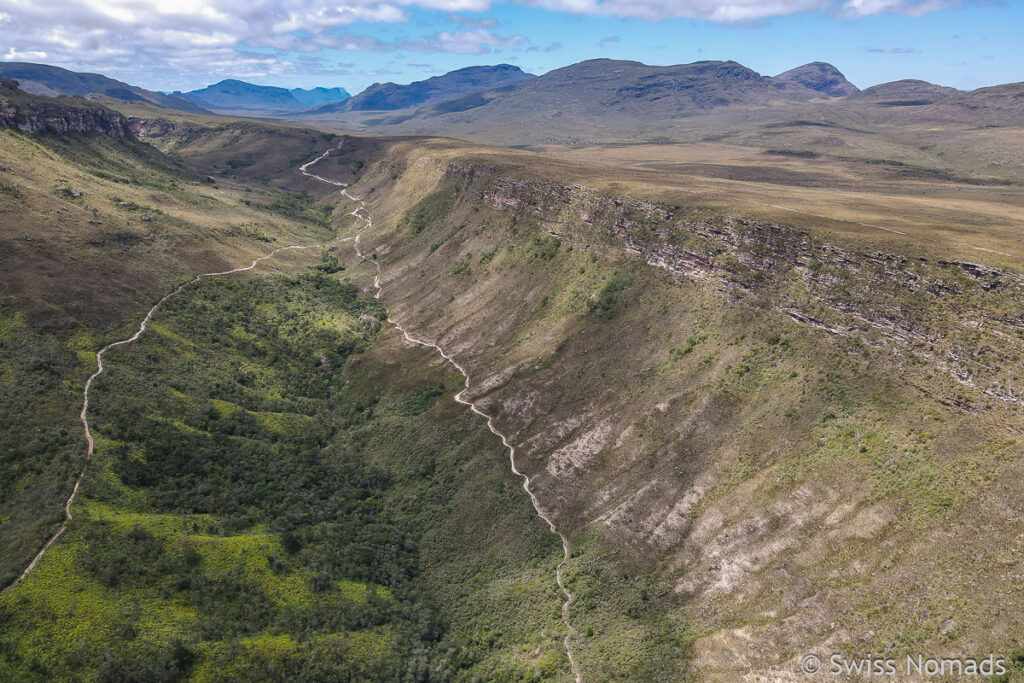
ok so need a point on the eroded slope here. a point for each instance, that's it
(800, 443)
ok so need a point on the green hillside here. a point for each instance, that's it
(269, 497)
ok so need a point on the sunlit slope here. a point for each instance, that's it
(778, 424)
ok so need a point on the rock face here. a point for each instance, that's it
(144, 128)
(854, 294)
(822, 77)
(32, 114)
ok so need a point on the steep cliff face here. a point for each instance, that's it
(777, 427)
(61, 115)
(931, 307)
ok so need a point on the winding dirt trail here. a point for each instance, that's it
(363, 215)
(84, 414)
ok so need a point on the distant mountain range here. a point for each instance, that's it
(238, 96)
(601, 87)
(599, 98)
(607, 100)
(391, 96)
(594, 100)
(43, 79)
(229, 96)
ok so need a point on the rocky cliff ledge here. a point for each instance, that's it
(61, 115)
(961, 318)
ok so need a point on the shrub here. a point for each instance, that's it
(609, 297)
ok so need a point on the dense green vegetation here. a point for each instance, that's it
(609, 296)
(269, 500)
(93, 230)
(40, 444)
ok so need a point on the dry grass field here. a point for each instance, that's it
(950, 214)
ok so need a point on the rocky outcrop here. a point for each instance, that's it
(151, 128)
(954, 315)
(60, 115)
(161, 128)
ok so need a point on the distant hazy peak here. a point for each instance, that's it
(822, 77)
(233, 94)
(392, 96)
(313, 97)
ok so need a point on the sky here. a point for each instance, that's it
(188, 44)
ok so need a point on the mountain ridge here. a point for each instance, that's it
(907, 90)
(44, 79)
(236, 95)
(393, 96)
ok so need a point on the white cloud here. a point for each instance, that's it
(913, 8)
(171, 41)
(13, 55)
(474, 42)
(728, 11)
(738, 11)
(198, 40)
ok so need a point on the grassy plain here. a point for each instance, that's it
(943, 212)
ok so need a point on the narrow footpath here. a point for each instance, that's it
(84, 414)
(360, 213)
